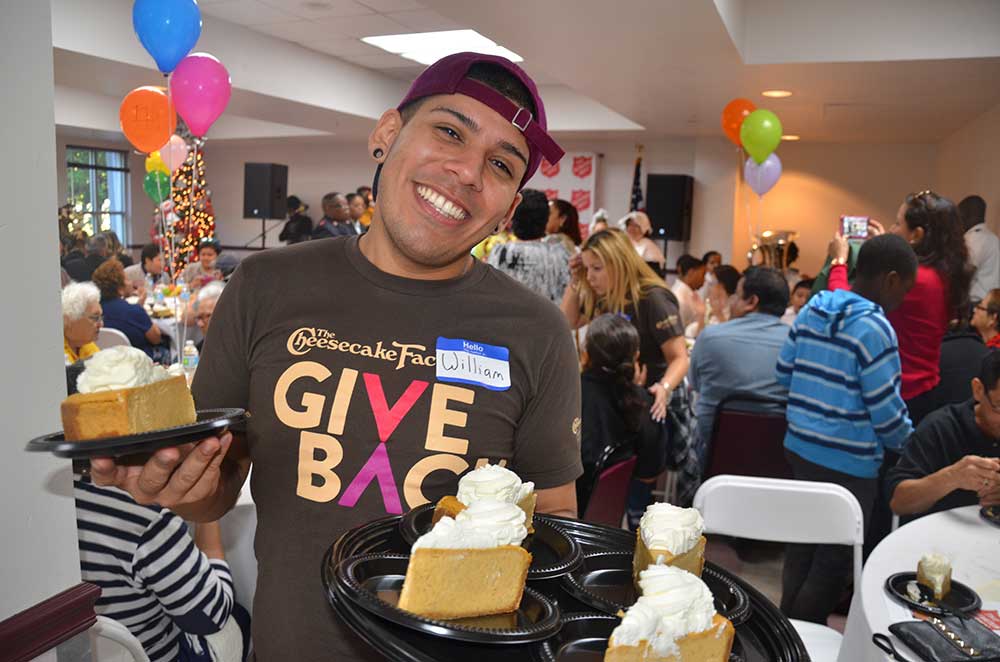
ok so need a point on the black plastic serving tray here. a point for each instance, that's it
(764, 636)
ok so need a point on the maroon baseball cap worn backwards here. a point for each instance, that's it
(448, 76)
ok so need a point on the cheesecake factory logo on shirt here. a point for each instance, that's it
(304, 340)
(332, 397)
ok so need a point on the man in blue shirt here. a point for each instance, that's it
(841, 366)
(738, 356)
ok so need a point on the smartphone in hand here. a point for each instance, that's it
(854, 227)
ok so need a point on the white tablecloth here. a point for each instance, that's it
(972, 544)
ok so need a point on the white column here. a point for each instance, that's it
(37, 516)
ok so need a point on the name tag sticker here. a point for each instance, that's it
(476, 363)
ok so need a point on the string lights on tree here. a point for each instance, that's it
(192, 205)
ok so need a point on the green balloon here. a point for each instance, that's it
(760, 134)
(156, 184)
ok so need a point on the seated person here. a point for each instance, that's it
(150, 265)
(986, 319)
(721, 291)
(129, 318)
(962, 352)
(951, 458)
(200, 273)
(800, 296)
(175, 596)
(721, 363)
(204, 306)
(81, 308)
(615, 406)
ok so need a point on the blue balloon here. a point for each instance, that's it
(168, 29)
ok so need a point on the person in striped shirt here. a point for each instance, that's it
(841, 367)
(173, 593)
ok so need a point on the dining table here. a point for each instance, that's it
(968, 540)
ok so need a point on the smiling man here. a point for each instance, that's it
(378, 369)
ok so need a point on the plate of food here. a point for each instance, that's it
(931, 590)
(126, 405)
(553, 551)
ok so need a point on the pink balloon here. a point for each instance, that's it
(200, 89)
(174, 153)
(762, 176)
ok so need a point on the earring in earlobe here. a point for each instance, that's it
(378, 153)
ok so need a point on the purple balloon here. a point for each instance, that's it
(200, 89)
(762, 176)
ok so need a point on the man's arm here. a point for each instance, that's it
(557, 500)
(918, 495)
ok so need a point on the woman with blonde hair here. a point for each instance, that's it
(609, 276)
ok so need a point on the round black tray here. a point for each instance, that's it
(209, 422)
(553, 551)
(766, 636)
(604, 582)
(961, 600)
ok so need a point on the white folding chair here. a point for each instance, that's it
(791, 511)
(111, 338)
(112, 642)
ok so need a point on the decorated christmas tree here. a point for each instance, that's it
(192, 205)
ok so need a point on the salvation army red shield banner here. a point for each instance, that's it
(573, 179)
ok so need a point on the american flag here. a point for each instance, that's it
(635, 204)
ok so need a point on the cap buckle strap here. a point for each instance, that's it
(520, 127)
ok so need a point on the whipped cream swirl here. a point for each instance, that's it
(482, 525)
(121, 367)
(666, 526)
(674, 603)
(492, 481)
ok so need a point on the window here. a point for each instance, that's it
(97, 186)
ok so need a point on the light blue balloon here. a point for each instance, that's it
(168, 29)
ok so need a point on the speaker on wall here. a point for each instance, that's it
(265, 190)
(668, 205)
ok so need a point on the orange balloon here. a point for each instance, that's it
(732, 118)
(147, 117)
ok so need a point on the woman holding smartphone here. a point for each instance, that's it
(930, 224)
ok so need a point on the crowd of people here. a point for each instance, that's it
(596, 348)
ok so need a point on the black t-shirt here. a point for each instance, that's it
(657, 321)
(371, 394)
(942, 439)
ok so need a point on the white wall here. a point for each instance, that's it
(969, 163)
(40, 556)
(823, 181)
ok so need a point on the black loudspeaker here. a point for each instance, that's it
(265, 190)
(668, 205)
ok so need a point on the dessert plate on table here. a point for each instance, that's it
(961, 600)
(374, 581)
(209, 422)
(584, 638)
(604, 581)
(553, 551)
(991, 514)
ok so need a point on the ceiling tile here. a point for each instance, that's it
(318, 9)
(377, 61)
(386, 6)
(343, 47)
(305, 31)
(424, 20)
(372, 26)
(247, 12)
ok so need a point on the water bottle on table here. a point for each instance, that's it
(189, 360)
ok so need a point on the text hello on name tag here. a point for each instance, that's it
(476, 363)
